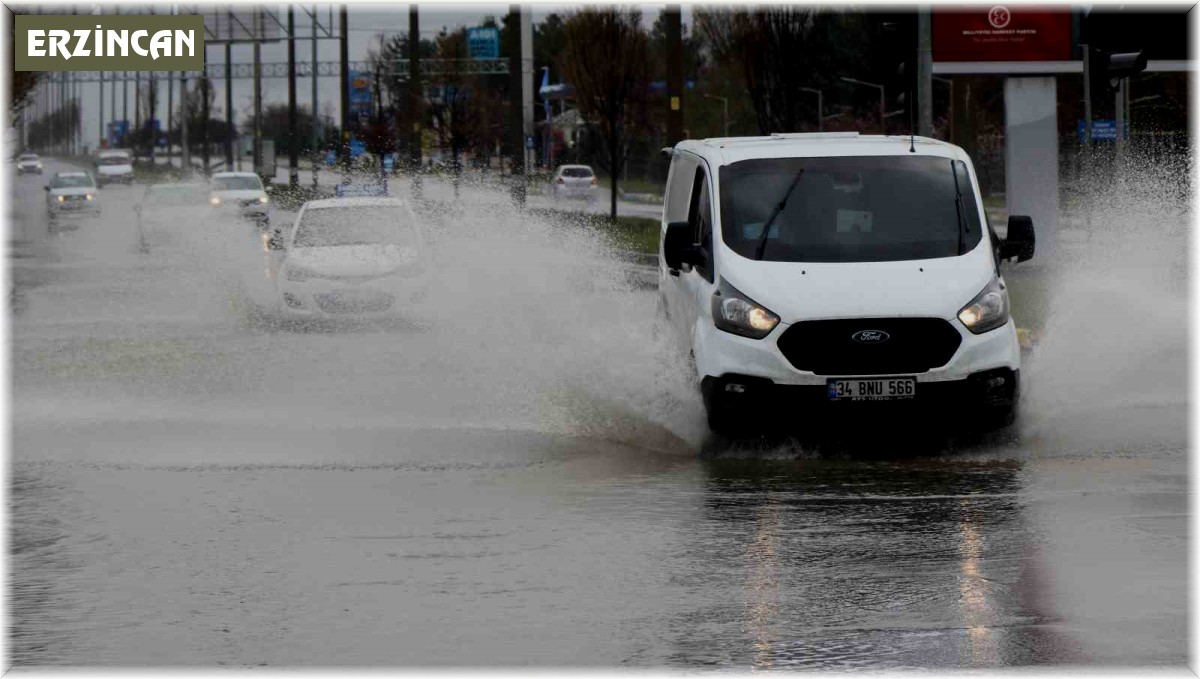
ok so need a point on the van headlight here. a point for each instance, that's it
(738, 314)
(989, 309)
(263, 199)
(215, 201)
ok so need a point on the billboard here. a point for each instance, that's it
(1001, 33)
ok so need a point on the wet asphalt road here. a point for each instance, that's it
(476, 486)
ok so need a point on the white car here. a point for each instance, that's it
(29, 163)
(166, 211)
(114, 166)
(361, 257)
(827, 275)
(574, 181)
(240, 193)
(71, 194)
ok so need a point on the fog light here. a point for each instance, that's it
(995, 383)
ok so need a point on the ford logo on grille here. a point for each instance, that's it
(870, 336)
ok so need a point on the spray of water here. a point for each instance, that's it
(1109, 368)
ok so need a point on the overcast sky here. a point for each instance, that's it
(367, 22)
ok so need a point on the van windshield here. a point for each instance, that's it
(849, 209)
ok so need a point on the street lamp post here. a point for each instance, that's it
(820, 107)
(725, 115)
(882, 99)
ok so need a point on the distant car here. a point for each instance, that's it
(574, 181)
(29, 163)
(114, 166)
(241, 193)
(71, 194)
(166, 209)
(362, 257)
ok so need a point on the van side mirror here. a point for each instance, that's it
(46, 187)
(1020, 241)
(678, 247)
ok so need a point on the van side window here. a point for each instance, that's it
(700, 216)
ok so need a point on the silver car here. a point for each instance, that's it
(70, 195)
(29, 163)
(574, 181)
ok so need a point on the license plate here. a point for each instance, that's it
(872, 389)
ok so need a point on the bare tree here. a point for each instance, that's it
(468, 114)
(605, 56)
(782, 49)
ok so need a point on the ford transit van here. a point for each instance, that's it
(814, 275)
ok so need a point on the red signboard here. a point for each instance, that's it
(1001, 33)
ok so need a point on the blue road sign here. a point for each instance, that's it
(483, 42)
(1102, 130)
(117, 130)
(357, 148)
(389, 162)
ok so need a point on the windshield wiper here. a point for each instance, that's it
(762, 240)
(958, 207)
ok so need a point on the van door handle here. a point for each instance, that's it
(673, 272)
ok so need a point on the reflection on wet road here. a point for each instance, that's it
(477, 486)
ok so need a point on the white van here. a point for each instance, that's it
(816, 275)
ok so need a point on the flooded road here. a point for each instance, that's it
(516, 474)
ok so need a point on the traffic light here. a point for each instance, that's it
(1108, 68)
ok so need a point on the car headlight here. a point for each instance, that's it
(91, 197)
(738, 314)
(299, 274)
(263, 199)
(215, 201)
(989, 309)
(62, 199)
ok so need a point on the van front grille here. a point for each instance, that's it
(897, 345)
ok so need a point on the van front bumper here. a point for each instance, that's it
(758, 400)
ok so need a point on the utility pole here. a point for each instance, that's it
(124, 103)
(100, 117)
(316, 136)
(414, 98)
(344, 81)
(205, 84)
(258, 31)
(516, 126)
(170, 119)
(924, 73)
(229, 104)
(527, 90)
(675, 76)
(1087, 97)
(293, 138)
(185, 152)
